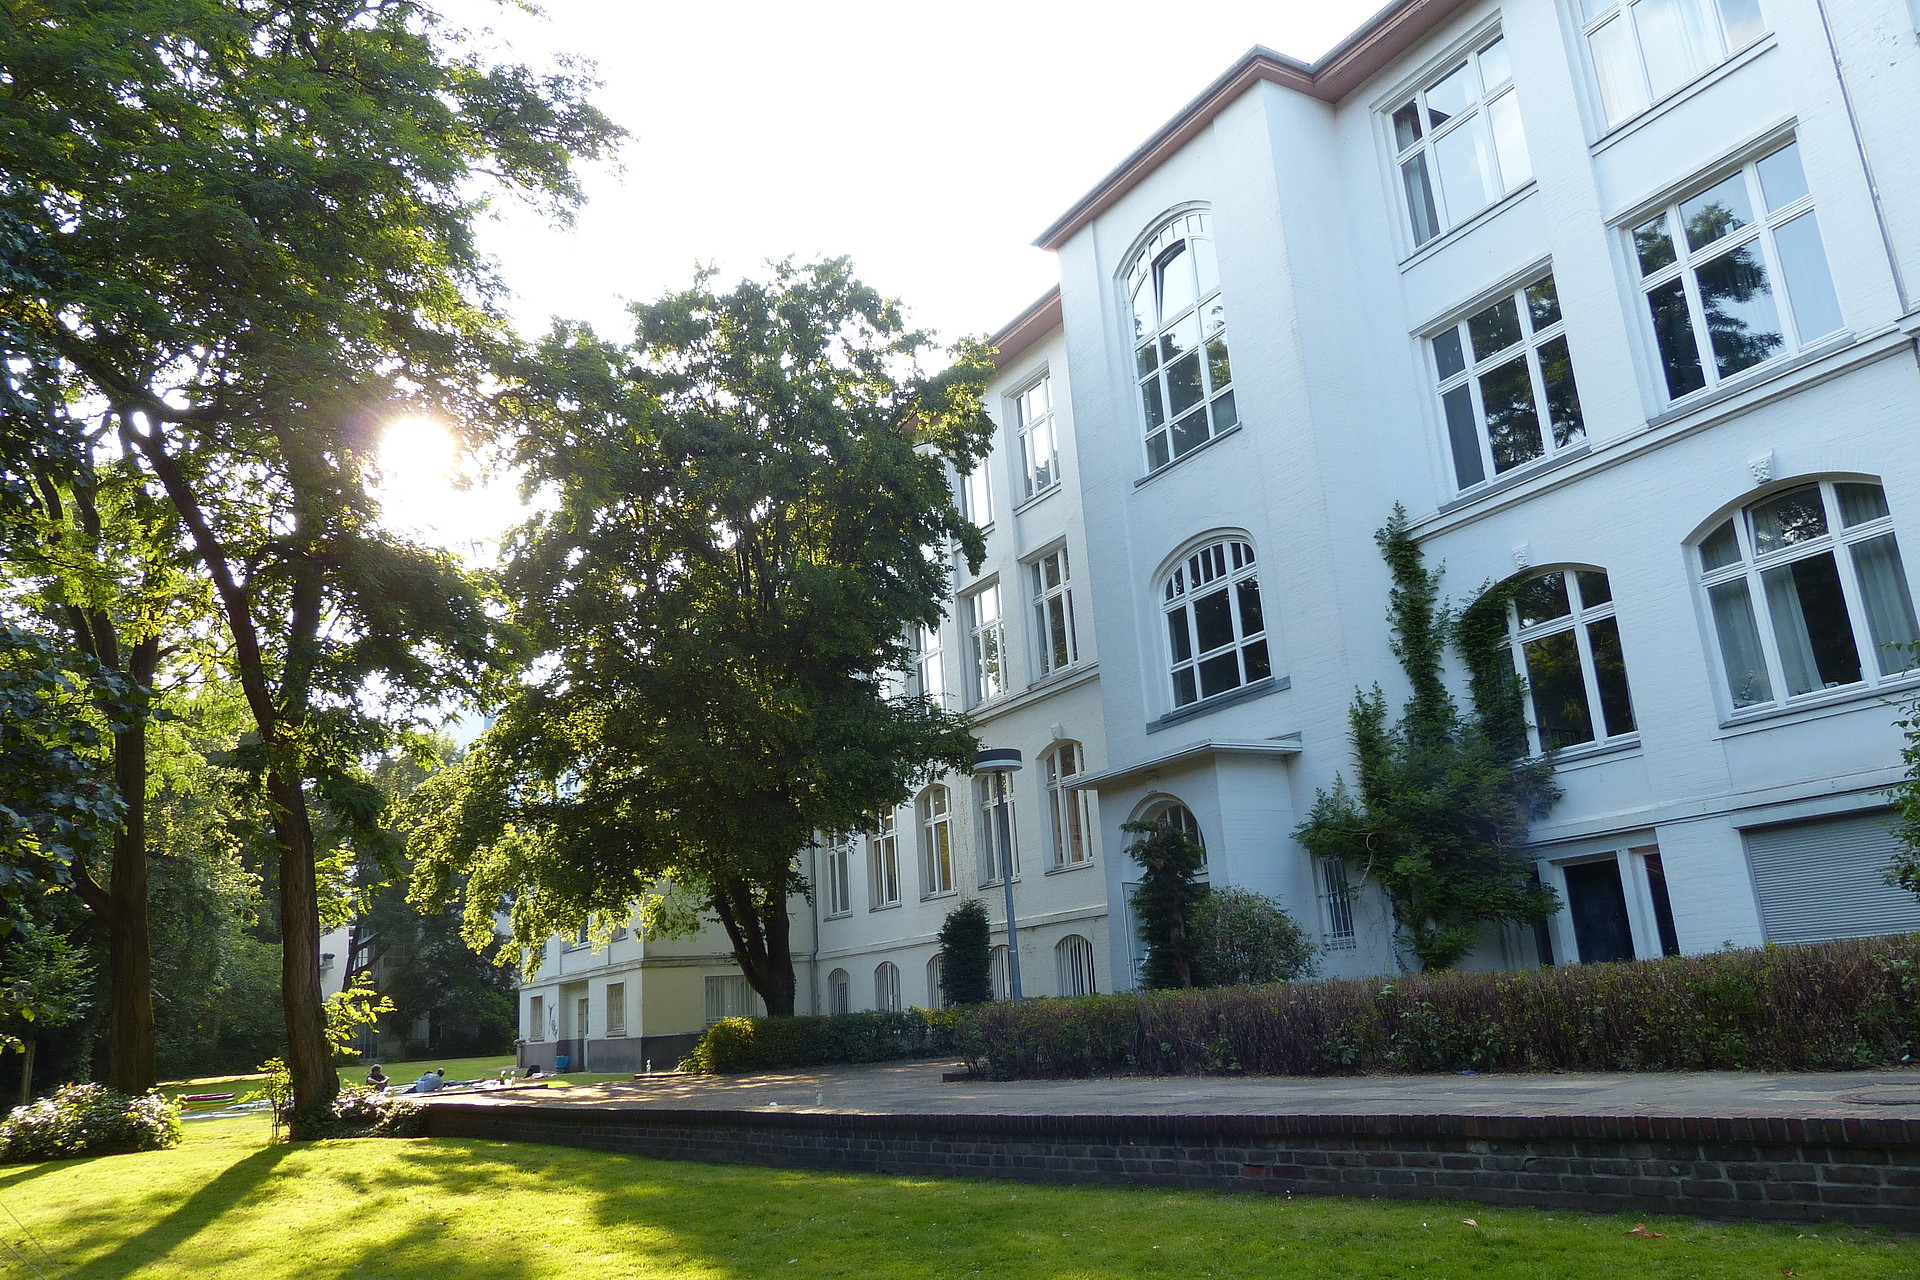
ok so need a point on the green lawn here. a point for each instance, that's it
(225, 1204)
(355, 1072)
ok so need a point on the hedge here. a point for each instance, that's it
(1819, 1007)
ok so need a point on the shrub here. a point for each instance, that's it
(359, 1112)
(760, 1044)
(1241, 937)
(966, 954)
(1166, 900)
(88, 1120)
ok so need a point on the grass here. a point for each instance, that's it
(225, 1204)
(355, 1072)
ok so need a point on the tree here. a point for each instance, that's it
(1167, 901)
(1241, 937)
(1903, 869)
(261, 214)
(750, 506)
(44, 985)
(966, 954)
(1444, 798)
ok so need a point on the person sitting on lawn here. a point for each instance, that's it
(377, 1079)
(534, 1072)
(431, 1080)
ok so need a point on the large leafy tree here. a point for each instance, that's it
(749, 507)
(258, 215)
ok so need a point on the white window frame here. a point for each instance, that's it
(1618, 25)
(1582, 584)
(1461, 371)
(616, 997)
(1051, 578)
(936, 996)
(883, 862)
(976, 492)
(1168, 810)
(1816, 293)
(1750, 568)
(989, 788)
(1487, 122)
(987, 675)
(839, 992)
(1193, 328)
(886, 987)
(1336, 906)
(838, 856)
(730, 995)
(1228, 562)
(1070, 810)
(1031, 409)
(536, 1019)
(997, 972)
(933, 810)
(929, 673)
(1074, 966)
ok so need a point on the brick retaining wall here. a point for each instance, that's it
(1863, 1171)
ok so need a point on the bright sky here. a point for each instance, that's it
(930, 144)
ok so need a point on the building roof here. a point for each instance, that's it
(1017, 335)
(1341, 70)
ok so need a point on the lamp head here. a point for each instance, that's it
(997, 760)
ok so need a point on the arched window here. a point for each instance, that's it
(936, 842)
(839, 992)
(1171, 813)
(886, 987)
(1216, 631)
(1180, 340)
(1073, 956)
(883, 863)
(1070, 810)
(997, 972)
(936, 984)
(839, 875)
(1566, 644)
(1807, 593)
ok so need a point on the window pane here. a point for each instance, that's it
(1563, 399)
(1178, 637)
(1182, 339)
(1183, 687)
(1810, 624)
(1190, 432)
(1463, 433)
(1183, 383)
(1513, 424)
(1782, 181)
(1740, 654)
(1495, 67)
(1543, 303)
(1224, 413)
(1150, 398)
(1617, 66)
(1509, 141)
(1206, 265)
(1883, 587)
(1258, 668)
(1178, 290)
(1543, 599)
(1788, 518)
(1146, 359)
(1145, 321)
(1860, 503)
(1157, 455)
(1654, 245)
(1463, 183)
(1673, 330)
(1610, 673)
(1448, 358)
(1213, 620)
(1718, 211)
(1495, 329)
(1742, 320)
(1406, 126)
(1803, 260)
(1217, 675)
(1252, 620)
(1452, 94)
(1674, 39)
(1742, 22)
(1420, 205)
(1594, 588)
(1721, 548)
(1559, 691)
(1219, 369)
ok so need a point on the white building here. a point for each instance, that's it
(1611, 292)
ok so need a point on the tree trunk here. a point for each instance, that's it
(309, 1060)
(26, 1073)
(761, 933)
(131, 1066)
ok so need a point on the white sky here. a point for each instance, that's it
(929, 144)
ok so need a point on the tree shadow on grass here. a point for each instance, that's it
(132, 1256)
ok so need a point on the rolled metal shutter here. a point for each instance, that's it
(1822, 879)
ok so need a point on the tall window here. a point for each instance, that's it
(929, 677)
(731, 997)
(839, 992)
(1645, 49)
(998, 974)
(1039, 442)
(986, 644)
(936, 984)
(976, 494)
(1053, 611)
(839, 875)
(1715, 265)
(1807, 592)
(1336, 906)
(616, 1008)
(936, 842)
(1073, 958)
(1068, 809)
(537, 1018)
(883, 862)
(1566, 644)
(1506, 384)
(992, 790)
(1180, 340)
(886, 987)
(1459, 143)
(1215, 629)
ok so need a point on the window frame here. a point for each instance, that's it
(1685, 265)
(1580, 621)
(1217, 406)
(1075, 967)
(1168, 809)
(1065, 804)
(883, 862)
(1530, 347)
(839, 991)
(1624, 11)
(1421, 144)
(936, 993)
(1054, 626)
(838, 856)
(536, 1019)
(615, 996)
(936, 839)
(886, 987)
(989, 789)
(1043, 430)
(928, 658)
(1337, 894)
(1237, 565)
(987, 678)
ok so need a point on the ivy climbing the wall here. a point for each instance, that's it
(1441, 800)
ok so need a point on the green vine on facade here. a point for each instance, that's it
(1442, 799)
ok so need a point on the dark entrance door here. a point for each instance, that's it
(1597, 903)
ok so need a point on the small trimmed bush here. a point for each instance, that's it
(359, 1112)
(88, 1120)
(763, 1044)
(1241, 938)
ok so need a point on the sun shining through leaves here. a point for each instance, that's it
(432, 489)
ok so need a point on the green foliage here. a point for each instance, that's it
(750, 508)
(351, 1011)
(45, 984)
(88, 1120)
(1167, 900)
(360, 1112)
(966, 954)
(1241, 938)
(764, 1044)
(1443, 798)
(1903, 869)
(1823, 1007)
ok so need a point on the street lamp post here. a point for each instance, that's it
(1002, 763)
